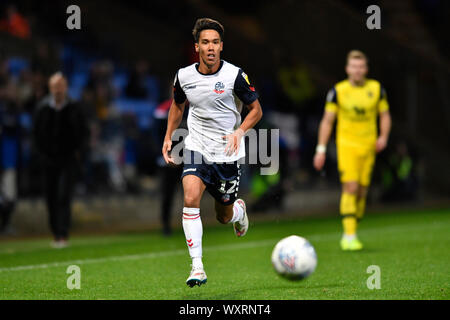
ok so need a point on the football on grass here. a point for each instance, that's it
(294, 258)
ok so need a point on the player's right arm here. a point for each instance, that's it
(325, 129)
(173, 122)
(174, 119)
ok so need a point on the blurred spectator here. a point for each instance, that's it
(399, 178)
(296, 82)
(60, 133)
(137, 87)
(297, 126)
(168, 174)
(100, 85)
(24, 85)
(107, 139)
(131, 136)
(9, 152)
(15, 23)
(4, 77)
(38, 91)
(269, 191)
(107, 146)
(44, 59)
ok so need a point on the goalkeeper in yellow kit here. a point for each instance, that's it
(356, 103)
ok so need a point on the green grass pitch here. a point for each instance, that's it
(411, 249)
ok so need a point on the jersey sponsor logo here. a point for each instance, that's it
(359, 111)
(218, 88)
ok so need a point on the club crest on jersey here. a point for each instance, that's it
(219, 87)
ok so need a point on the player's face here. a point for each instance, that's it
(209, 47)
(58, 89)
(356, 69)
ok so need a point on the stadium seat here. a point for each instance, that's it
(143, 109)
(16, 65)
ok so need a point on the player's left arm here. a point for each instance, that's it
(252, 118)
(247, 94)
(385, 122)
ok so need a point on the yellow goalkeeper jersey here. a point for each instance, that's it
(357, 108)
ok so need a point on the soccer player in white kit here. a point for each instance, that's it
(216, 91)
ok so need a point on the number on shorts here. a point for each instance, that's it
(233, 186)
(233, 183)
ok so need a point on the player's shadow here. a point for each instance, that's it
(324, 286)
(365, 251)
(237, 294)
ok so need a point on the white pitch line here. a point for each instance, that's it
(245, 245)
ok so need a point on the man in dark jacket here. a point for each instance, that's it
(60, 135)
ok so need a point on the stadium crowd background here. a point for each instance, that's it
(121, 63)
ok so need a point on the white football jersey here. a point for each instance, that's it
(215, 105)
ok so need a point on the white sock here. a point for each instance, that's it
(238, 213)
(197, 263)
(193, 230)
(350, 237)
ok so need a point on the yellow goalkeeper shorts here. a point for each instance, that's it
(355, 164)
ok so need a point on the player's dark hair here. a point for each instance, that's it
(205, 24)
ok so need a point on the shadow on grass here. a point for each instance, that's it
(366, 250)
(237, 294)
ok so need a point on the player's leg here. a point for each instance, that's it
(193, 188)
(224, 213)
(235, 213)
(348, 208)
(364, 183)
(51, 199)
(361, 201)
(349, 173)
(228, 208)
(66, 184)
